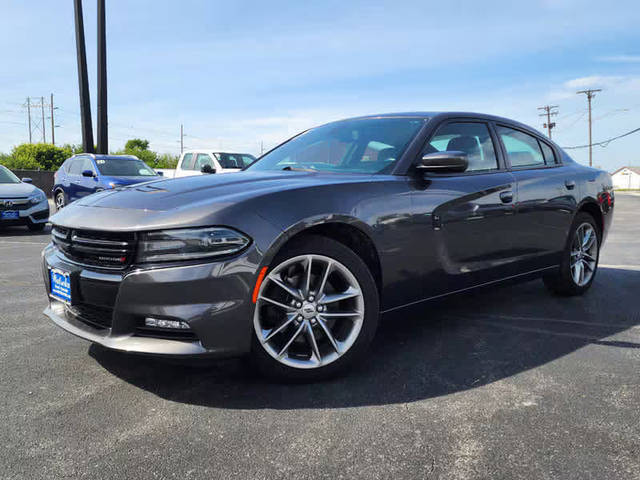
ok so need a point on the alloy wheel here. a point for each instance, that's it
(59, 201)
(584, 254)
(309, 311)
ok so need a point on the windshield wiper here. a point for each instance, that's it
(298, 169)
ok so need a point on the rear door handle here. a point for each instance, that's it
(506, 197)
(570, 184)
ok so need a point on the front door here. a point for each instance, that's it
(466, 218)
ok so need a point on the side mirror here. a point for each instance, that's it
(160, 174)
(87, 173)
(444, 162)
(27, 180)
(207, 169)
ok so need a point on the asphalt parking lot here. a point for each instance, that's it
(506, 383)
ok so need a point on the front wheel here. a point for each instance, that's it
(580, 259)
(316, 311)
(60, 201)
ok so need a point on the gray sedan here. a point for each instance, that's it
(294, 259)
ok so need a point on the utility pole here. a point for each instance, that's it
(181, 139)
(261, 147)
(549, 112)
(29, 115)
(44, 133)
(83, 80)
(590, 94)
(53, 124)
(103, 134)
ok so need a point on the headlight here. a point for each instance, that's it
(189, 244)
(36, 198)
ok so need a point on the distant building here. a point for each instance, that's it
(627, 178)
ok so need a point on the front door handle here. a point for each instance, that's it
(570, 184)
(506, 197)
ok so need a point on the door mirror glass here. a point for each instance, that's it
(87, 173)
(27, 180)
(444, 162)
(207, 169)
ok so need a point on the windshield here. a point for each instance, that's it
(6, 176)
(124, 167)
(370, 145)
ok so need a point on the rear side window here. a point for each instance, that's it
(473, 139)
(187, 162)
(75, 167)
(549, 156)
(202, 160)
(523, 149)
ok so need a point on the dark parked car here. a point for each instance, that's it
(294, 259)
(86, 173)
(21, 203)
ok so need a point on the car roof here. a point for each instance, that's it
(101, 156)
(205, 150)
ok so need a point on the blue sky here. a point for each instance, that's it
(240, 73)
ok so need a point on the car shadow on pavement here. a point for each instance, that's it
(21, 231)
(441, 348)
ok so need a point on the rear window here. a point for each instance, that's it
(187, 162)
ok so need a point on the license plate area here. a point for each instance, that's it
(60, 282)
(10, 214)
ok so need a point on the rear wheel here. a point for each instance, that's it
(580, 259)
(60, 200)
(316, 312)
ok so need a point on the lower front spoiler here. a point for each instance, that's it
(124, 343)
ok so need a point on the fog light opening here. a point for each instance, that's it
(160, 323)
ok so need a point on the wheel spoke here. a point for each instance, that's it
(586, 238)
(308, 281)
(328, 334)
(588, 265)
(284, 325)
(294, 292)
(291, 340)
(577, 269)
(590, 242)
(276, 303)
(311, 338)
(323, 283)
(336, 297)
(590, 257)
(341, 314)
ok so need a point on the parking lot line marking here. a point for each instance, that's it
(556, 320)
(10, 242)
(591, 339)
(620, 267)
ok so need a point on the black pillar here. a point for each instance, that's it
(103, 140)
(83, 81)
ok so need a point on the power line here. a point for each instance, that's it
(604, 143)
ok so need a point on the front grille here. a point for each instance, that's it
(92, 315)
(111, 250)
(14, 204)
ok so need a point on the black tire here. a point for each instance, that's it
(36, 227)
(560, 281)
(59, 200)
(319, 245)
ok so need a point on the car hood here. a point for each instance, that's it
(187, 200)
(16, 190)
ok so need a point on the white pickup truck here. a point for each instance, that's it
(198, 162)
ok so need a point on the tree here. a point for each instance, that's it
(136, 144)
(37, 156)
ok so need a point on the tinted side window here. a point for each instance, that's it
(187, 162)
(549, 156)
(473, 139)
(87, 164)
(523, 149)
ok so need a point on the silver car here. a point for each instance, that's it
(21, 203)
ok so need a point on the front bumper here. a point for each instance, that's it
(214, 299)
(38, 213)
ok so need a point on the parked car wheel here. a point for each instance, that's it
(580, 259)
(60, 200)
(316, 311)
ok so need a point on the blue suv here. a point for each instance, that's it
(85, 173)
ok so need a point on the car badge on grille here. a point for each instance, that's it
(8, 203)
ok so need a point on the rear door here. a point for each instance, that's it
(466, 218)
(545, 197)
(74, 176)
